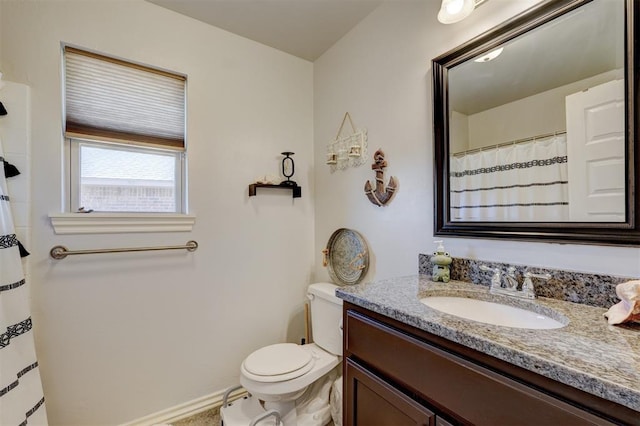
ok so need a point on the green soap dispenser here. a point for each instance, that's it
(441, 261)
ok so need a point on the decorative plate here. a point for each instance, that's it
(347, 257)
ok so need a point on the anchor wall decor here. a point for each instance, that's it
(381, 196)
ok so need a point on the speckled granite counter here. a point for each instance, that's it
(587, 354)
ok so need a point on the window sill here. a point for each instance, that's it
(120, 223)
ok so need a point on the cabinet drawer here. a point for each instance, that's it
(465, 391)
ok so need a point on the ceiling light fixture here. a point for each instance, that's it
(453, 11)
(490, 56)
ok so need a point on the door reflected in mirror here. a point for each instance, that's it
(537, 124)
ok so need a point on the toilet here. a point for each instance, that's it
(277, 375)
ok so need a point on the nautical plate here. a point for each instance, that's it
(347, 257)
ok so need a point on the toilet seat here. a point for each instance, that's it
(279, 388)
(276, 363)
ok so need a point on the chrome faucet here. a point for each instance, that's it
(496, 279)
(527, 285)
(512, 281)
(510, 288)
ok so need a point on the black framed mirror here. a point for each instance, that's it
(535, 127)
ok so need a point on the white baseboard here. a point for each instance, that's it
(186, 409)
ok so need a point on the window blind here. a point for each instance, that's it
(113, 100)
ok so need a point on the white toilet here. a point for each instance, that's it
(276, 375)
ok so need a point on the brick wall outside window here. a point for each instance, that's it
(128, 198)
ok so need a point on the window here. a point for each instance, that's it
(142, 180)
(124, 124)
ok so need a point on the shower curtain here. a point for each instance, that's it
(523, 182)
(21, 397)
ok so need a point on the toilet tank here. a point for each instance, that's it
(326, 317)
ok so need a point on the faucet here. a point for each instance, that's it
(496, 279)
(527, 285)
(511, 282)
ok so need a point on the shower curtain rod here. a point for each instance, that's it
(60, 252)
(517, 141)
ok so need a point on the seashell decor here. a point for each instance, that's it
(628, 309)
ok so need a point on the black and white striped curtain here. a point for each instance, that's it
(524, 182)
(21, 397)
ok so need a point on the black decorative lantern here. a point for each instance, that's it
(288, 169)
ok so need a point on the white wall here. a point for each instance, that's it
(458, 132)
(123, 335)
(380, 72)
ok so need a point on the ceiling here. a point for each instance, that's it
(304, 28)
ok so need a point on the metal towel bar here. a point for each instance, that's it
(60, 252)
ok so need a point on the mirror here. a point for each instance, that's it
(534, 127)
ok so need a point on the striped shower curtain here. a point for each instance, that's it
(21, 397)
(523, 182)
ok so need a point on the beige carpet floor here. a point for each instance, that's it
(206, 418)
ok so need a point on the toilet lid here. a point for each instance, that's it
(281, 359)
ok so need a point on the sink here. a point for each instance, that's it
(492, 313)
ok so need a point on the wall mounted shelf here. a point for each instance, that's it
(296, 190)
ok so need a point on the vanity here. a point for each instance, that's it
(408, 364)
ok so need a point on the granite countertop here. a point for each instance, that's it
(587, 354)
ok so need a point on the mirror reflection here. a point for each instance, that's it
(537, 124)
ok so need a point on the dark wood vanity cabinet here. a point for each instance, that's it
(396, 375)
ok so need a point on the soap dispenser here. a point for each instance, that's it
(441, 261)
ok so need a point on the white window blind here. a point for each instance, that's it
(113, 100)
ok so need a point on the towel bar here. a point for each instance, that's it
(60, 252)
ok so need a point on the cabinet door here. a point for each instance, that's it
(373, 402)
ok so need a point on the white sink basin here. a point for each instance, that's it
(491, 313)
